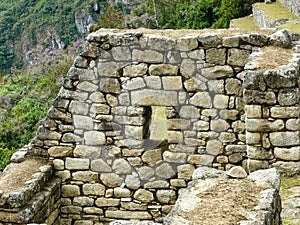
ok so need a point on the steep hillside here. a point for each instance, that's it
(24, 24)
(54, 24)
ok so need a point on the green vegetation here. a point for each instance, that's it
(293, 27)
(26, 23)
(245, 23)
(24, 101)
(189, 14)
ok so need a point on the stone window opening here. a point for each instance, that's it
(155, 128)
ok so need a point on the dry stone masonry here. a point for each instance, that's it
(221, 111)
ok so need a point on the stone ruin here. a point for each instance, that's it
(93, 159)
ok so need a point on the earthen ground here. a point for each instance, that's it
(225, 203)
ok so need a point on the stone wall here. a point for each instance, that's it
(292, 5)
(218, 115)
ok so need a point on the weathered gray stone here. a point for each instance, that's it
(285, 112)
(165, 170)
(93, 210)
(111, 179)
(83, 122)
(288, 154)
(290, 167)
(227, 137)
(80, 108)
(152, 157)
(178, 124)
(147, 56)
(110, 85)
(145, 172)
(216, 56)
(60, 151)
(163, 69)
(185, 171)
(83, 201)
(99, 165)
(238, 57)
(293, 124)
(77, 164)
(160, 43)
(210, 40)
(282, 139)
(263, 125)
(121, 166)
(201, 99)
(233, 87)
(70, 191)
(97, 97)
(157, 184)
(235, 158)
(172, 83)
(214, 147)
(187, 43)
(288, 97)
(189, 112)
(175, 137)
(153, 82)
(138, 70)
(94, 138)
(132, 182)
(166, 196)
(194, 84)
(175, 157)
(107, 202)
(82, 151)
(217, 72)
(257, 97)
(253, 165)
(154, 97)
(143, 195)
(254, 111)
(86, 176)
(202, 160)
(93, 189)
(237, 172)
(196, 54)
(219, 125)
(216, 86)
(233, 41)
(118, 214)
(221, 101)
(188, 68)
(122, 192)
(268, 176)
(121, 53)
(58, 164)
(134, 132)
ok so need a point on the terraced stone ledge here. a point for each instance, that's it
(28, 193)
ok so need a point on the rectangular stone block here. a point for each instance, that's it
(172, 83)
(282, 139)
(147, 56)
(263, 125)
(77, 164)
(148, 97)
(285, 112)
(137, 215)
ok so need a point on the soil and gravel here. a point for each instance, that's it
(225, 203)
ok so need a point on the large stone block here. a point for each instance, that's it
(94, 138)
(79, 108)
(216, 56)
(187, 43)
(87, 87)
(201, 99)
(143, 195)
(175, 157)
(189, 112)
(110, 85)
(60, 151)
(285, 112)
(288, 97)
(256, 152)
(147, 56)
(111, 179)
(86, 176)
(172, 83)
(238, 57)
(99, 165)
(77, 164)
(148, 97)
(82, 151)
(70, 191)
(217, 72)
(93, 189)
(214, 147)
(121, 166)
(138, 70)
(166, 196)
(121, 53)
(163, 69)
(288, 154)
(264, 125)
(282, 139)
(118, 214)
(194, 84)
(83, 122)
